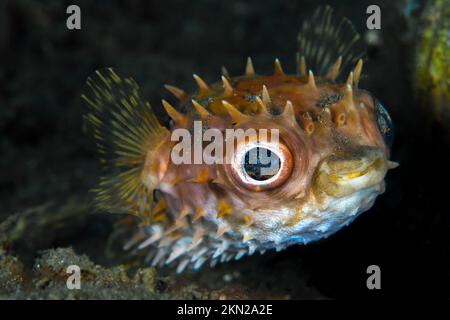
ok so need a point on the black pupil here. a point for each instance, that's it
(261, 163)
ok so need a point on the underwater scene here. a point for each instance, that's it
(224, 150)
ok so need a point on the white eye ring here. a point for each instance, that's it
(238, 163)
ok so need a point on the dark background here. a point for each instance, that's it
(45, 156)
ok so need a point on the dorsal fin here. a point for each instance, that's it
(324, 37)
(127, 134)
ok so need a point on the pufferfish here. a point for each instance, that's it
(331, 156)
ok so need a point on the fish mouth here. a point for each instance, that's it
(339, 176)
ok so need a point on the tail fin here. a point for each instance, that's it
(325, 37)
(126, 132)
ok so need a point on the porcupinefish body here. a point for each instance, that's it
(327, 164)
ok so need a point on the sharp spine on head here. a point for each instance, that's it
(249, 69)
(203, 87)
(177, 92)
(357, 72)
(278, 68)
(234, 113)
(334, 70)
(265, 96)
(311, 81)
(228, 89)
(176, 116)
(204, 114)
(289, 113)
(347, 101)
(349, 93)
(262, 106)
(225, 72)
(350, 79)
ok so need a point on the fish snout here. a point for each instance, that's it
(341, 175)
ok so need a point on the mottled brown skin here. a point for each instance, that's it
(330, 121)
(333, 163)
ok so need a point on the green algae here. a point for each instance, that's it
(433, 60)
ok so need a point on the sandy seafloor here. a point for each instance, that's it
(48, 164)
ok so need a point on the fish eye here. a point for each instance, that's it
(385, 124)
(260, 166)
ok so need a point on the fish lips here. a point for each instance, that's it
(339, 176)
